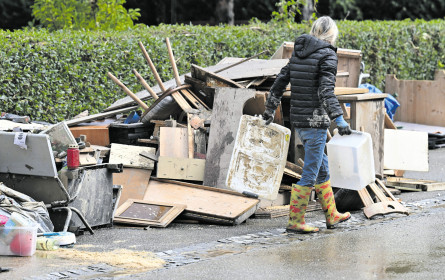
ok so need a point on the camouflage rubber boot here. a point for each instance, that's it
(299, 199)
(326, 197)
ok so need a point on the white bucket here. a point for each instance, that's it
(351, 160)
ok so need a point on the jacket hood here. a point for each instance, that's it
(307, 44)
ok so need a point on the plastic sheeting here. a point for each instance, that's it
(33, 211)
(391, 103)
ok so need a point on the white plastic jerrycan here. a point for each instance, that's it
(351, 160)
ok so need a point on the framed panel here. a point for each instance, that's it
(147, 213)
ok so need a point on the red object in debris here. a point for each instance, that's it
(72, 157)
(22, 244)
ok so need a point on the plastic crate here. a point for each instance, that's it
(18, 241)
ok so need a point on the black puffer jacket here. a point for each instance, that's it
(311, 72)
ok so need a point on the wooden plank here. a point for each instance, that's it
(190, 137)
(406, 150)
(212, 79)
(292, 173)
(346, 111)
(205, 201)
(361, 97)
(37, 159)
(295, 168)
(96, 134)
(173, 142)
(153, 157)
(227, 111)
(134, 183)
(256, 105)
(388, 122)
(100, 116)
(349, 90)
(181, 168)
(254, 68)
(128, 155)
(415, 184)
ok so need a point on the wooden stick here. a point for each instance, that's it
(127, 91)
(146, 86)
(152, 67)
(172, 61)
(191, 138)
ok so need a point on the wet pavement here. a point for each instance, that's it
(391, 247)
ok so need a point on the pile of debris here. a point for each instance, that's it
(197, 153)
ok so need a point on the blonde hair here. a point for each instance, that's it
(325, 29)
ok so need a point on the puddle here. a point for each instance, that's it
(399, 269)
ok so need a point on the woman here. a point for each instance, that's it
(311, 72)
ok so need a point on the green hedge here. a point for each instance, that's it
(54, 76)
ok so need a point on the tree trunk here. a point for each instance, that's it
(224, 11)
(308, 10)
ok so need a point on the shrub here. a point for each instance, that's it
(53, 76)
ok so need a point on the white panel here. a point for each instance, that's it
(406, 150)
(259, 157)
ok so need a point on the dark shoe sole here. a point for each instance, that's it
(334, 225)
(289, 230)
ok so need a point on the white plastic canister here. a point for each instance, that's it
(351, 160)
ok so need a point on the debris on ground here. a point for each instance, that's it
(197, 152)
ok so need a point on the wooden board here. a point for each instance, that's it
(227, 110)
(37, 159)
(181, 168)
(256, 105)
(134, 183)
(202, 200)
(421, 101)
(406, 150)
(415, 184)
(349, 90)
(96, 134)
(173, 142)
(129, 156)
(147, 213)
(212, 79)
(100, 115)
(254, 68)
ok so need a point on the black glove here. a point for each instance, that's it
(344, 130)
(343, 126)
(268, 115)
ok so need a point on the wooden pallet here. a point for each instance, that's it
(417, 185)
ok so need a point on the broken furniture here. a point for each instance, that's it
(203, 203)
(421, 101)
(32, 171)
(147, 213)
(385, 202)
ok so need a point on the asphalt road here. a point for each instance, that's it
(391, 247)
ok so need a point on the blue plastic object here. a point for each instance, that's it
(132, 118)
(391, 103)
